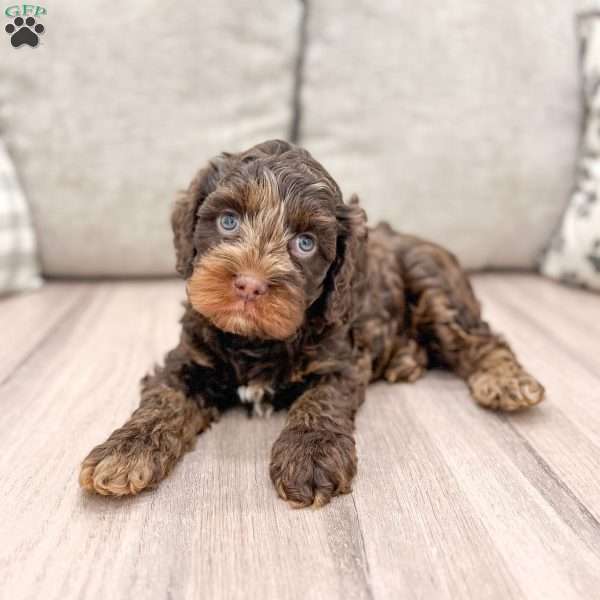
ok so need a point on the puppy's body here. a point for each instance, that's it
(388, 336)
(294, 303)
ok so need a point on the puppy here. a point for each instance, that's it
(293, 302)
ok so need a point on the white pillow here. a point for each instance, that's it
(573, 255)
(18, 262)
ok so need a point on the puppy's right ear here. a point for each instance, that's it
(185, 213)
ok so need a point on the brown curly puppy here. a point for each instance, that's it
(294, 303)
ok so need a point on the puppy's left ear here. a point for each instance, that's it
(347, 273)
(184, 215)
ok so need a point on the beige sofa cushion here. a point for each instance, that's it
(454, 120)
(119, 105)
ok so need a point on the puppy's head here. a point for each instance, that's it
(262, 236)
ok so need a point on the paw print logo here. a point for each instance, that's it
(24, 31)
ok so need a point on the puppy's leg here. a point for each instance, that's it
(408, 362)
(142, 452)
(314, 458)
(447, 316)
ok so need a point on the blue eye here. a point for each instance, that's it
(228, 222)
(304, 244)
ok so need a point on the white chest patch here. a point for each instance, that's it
(257, 395)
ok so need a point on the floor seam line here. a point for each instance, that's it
(549, 471)
(364, 550)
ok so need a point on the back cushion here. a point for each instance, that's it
(454, 120)
(121, 103)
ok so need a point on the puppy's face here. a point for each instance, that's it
(264, 241)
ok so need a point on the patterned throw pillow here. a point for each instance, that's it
(573, 255)
(18, 263)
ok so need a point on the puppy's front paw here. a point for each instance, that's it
(506, 391)
(309, 467)
(123, 465)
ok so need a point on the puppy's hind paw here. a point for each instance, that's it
(506, 391)
(407, 370)
(407, 364)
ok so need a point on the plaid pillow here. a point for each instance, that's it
(18, 262)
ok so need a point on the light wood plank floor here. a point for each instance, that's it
(450, 501)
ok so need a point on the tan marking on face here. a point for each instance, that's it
(260, 250)
(265, 233)
(263, 195)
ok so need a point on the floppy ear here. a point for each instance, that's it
(185, 211)
(347, 272)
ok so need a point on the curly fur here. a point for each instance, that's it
(370, 304)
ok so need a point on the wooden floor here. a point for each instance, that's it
(450, 501)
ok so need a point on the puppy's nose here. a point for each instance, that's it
(249, 287)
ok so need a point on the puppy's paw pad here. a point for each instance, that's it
(507, 392)
(309, 467)
(113, 472)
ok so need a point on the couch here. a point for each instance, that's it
(458, 121)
